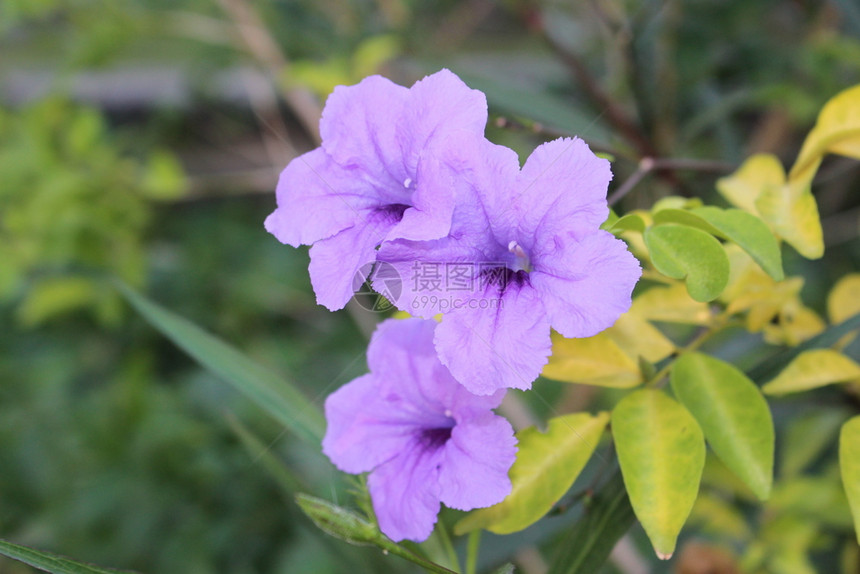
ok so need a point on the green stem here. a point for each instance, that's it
(448, 546)
(720, 324)
(472, 548)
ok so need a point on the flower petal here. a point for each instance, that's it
(476, 461)
(562, 188)
(358, 128)
(360, 439)
(497, 342)
(317, 199)
(336, 260)
(585, 286)
(401, 352)
(437, 104)
(405, 494)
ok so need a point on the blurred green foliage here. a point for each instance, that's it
(115, 448)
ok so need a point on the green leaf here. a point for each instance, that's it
(629, 222)
(661, 451)
(684, 252)
(849, 463)
(49, 562)
(746, 230)
(733, 415)
(750, 233)
(276, 396)
(354, 529)
(608, 516)
(547, 465)
(813, 369)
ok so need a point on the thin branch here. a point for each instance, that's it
(265, 49)
(647, 165)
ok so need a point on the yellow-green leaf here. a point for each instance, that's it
(639, 338)
(671, 304)
(661, 451)
(844, 299)
(792, 213)
(813, 369)
(684, 252)
(547, 465)
(849, 463)
(596, 360)
(758, 173)
(733, 415)
(836, 131)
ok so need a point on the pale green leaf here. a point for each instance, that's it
(547, 465)
(849, 463)
(684, 252)
(639, 339)
(629, 222)
(49, 562)
(813, 369)
(733, 415)
(661, 451)
(273, 394)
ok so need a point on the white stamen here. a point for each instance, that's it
(407, 182)
(515, 248)
(448, 413)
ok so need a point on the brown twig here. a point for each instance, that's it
(648, 165)
(265, 49)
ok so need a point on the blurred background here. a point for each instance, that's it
(142, 139)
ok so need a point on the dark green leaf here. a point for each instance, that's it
(49, 562)
(276, 396)
(608, 516)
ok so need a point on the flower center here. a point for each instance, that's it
(434, 438)
(521, 261)
(394, 211)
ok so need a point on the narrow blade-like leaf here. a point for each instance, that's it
(276, 396)
(49, 562)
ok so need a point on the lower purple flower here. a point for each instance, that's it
(422, 436)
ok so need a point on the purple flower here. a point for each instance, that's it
(422, 436)
(373, 177)
(530, 242)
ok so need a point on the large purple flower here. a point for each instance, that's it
(525, 253)
(422, 436)
(373, 177)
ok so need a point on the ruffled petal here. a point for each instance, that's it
(317, 198)
(405, 493)
(562, 189)
(360, 439)
(438, 104)
(358, 128)
(496, 342)
(476, 461)
(585, 286)
(336, 260)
